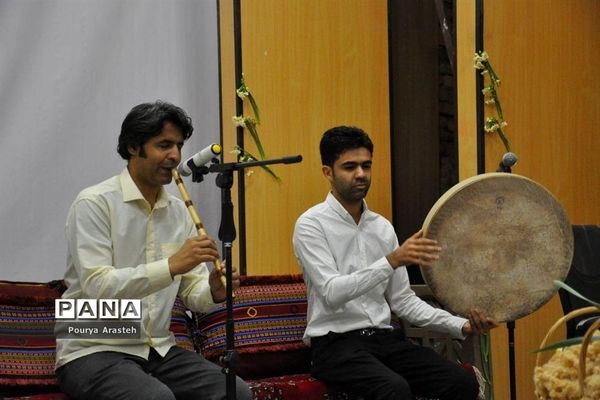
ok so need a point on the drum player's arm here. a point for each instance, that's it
(320, 266)
(402, 299)
(409, 307)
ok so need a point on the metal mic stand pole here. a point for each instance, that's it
(227, 235)
(510, 326)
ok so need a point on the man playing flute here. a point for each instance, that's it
(128, 238)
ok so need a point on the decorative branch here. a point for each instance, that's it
(250, 124)
(494, 123)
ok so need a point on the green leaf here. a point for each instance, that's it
(247, 155)
(250, 124)
(254, 133)
(255, 109)
(565, 343)
(574, 292)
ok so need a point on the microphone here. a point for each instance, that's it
(199, 159)
(508, 160)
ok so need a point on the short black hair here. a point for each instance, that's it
(341, 138)
(147, 120)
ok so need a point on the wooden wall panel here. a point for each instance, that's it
(311, 65)
(228, 86)
(546, 53)
(465, 88)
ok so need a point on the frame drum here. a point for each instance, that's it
(504, 239)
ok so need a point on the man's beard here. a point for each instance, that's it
(353, 193)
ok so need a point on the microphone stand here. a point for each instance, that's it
(227, 234)
(503, 168)
(510, 325)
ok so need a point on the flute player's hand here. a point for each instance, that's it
(216, 281)
(194, 251)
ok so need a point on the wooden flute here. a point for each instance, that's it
(194, 215)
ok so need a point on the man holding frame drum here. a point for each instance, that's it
(129, 238)
(354, 271)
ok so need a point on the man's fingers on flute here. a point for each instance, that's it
(204, 240)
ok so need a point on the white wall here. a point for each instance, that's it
(70, 70)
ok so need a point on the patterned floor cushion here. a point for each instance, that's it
(293, 387)
(270, 318)
(27, 342)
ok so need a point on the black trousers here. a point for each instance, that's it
(377, 364)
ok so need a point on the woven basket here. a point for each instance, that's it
(584, 345)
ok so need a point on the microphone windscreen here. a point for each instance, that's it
(199, 159)
(509, 159)
(183, 168)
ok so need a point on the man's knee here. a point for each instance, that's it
(393, 387)
(159, 393)
(242, 390)
(464, 385)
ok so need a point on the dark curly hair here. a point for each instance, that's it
(341, 138)
(147, 120)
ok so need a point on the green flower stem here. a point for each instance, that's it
(252, 129)
(484, 349)
(246, 156)
(504, 139)
(482, 63)
(255, 109)
(251, 124)
(498, 107)
(493, 76)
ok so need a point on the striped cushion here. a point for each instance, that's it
(270, 318)
(181, 325)
(27, 342)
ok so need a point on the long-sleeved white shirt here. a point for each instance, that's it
(350, 283)
(118, 248)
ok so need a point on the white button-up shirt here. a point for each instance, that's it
(118, 248)
(350, 283)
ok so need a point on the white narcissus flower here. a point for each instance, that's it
(249, 121)
(480, 60)
(243, 92)
(491, 124)
(239, 121)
